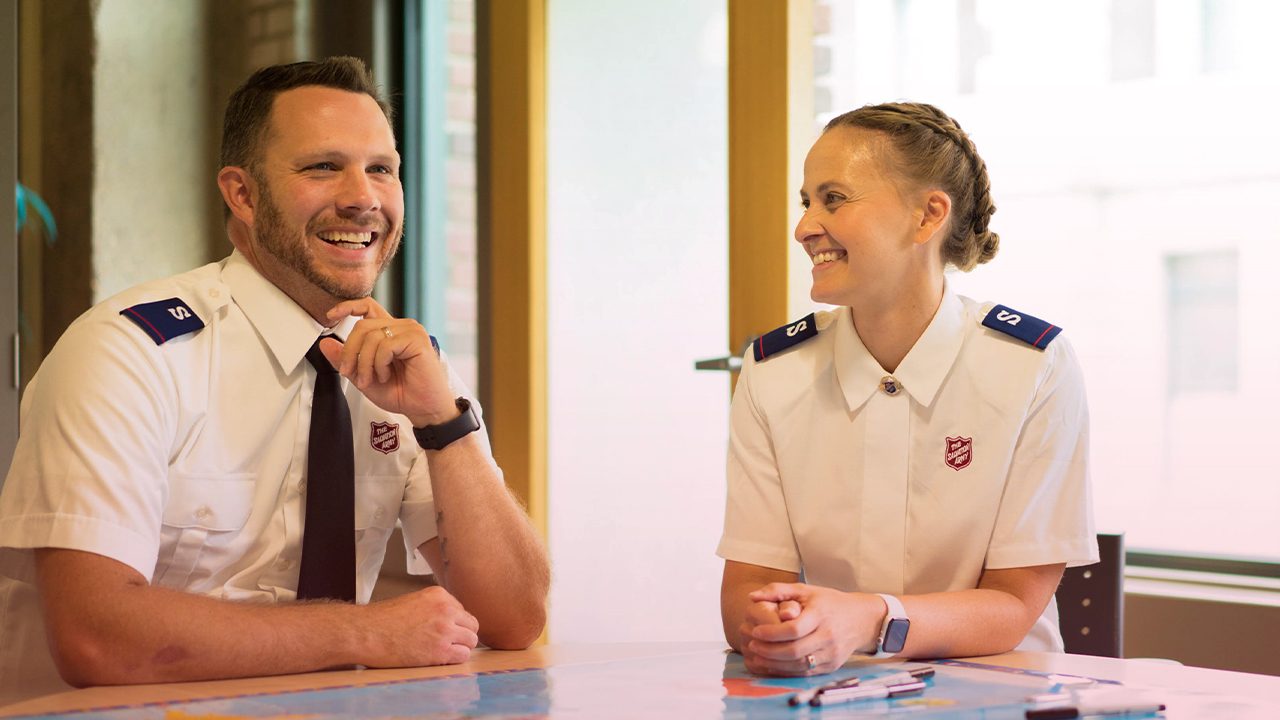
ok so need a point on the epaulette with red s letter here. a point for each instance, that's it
(775, 341)
(1032, 331)
(164, 320)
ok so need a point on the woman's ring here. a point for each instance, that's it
(386, 330)
(812, 663)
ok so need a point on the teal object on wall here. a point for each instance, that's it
(26, 196)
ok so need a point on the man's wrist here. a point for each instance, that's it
(362, 641)
(437, 436)
(436, 416)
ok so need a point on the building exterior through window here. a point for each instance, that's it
(1133, 175)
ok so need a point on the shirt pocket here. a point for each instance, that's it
(377, 508)
(202, 518)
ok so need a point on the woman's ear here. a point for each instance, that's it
(934, 211)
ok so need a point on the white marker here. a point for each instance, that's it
(871, 692)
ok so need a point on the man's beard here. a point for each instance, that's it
(292, 251)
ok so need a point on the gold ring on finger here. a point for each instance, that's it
(386, 330)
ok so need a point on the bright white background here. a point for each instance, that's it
(638, 290)
(1097, 181)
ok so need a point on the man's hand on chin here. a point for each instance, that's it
(392, 361)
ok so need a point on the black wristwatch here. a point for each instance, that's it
(435, 437)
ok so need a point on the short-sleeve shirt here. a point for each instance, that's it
(186, 460)
(972, 454)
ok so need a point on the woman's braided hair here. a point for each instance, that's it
(935, 152)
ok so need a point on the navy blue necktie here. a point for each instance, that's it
(329, 536)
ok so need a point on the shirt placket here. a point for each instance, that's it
(283, 572)
(884, 493)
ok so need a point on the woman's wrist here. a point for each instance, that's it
(874, 610)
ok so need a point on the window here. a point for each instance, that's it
(1203, 325)
(440, 285)
(1133, 49)
(1128, 172)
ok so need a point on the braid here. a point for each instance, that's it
(928, 140)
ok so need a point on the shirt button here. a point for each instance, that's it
(284, 565)
(379, 513)
(890, 385)
(202, 512)
(215, 293)
(302, 486)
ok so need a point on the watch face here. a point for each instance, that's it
(895, 636)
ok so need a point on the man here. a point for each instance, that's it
(157, 519)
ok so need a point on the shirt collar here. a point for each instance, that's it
(285, 328)
(920, 373)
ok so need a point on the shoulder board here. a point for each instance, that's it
(775, 341)
(1032, 331)
(164, 320)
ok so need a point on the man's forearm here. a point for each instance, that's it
(107, 626)
(125, 631)
(490, 556)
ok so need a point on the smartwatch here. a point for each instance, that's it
(893, 633)
(435, 437)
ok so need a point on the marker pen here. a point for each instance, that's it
(871, 692)
(1070, 713)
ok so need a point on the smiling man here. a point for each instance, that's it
(210, 465)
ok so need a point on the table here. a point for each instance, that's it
(678, 680)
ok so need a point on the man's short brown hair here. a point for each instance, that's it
(248, 118)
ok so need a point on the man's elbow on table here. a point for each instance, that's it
(83, 658)
(517, 634)
(514, 620)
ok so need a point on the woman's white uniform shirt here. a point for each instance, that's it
(974, 455)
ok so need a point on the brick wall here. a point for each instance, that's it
(270, 32)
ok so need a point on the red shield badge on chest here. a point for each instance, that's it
(959, 452)
(384, 437)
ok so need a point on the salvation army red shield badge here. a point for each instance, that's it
(384, 437)
(959, 452)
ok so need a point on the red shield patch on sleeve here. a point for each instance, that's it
(959, 452)
(384, 437)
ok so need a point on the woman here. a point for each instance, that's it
(921, 457)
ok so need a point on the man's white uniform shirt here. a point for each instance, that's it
(979, 459)
(187, 461)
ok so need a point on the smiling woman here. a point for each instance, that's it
(918, 455)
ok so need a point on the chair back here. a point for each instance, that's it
(1091, 602)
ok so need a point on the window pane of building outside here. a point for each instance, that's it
(1129, 148)
(440, 170)
(460, 296)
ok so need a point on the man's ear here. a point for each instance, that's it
(934, 211)
(237, 189)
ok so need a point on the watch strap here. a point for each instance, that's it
(436, 437)
(896, 612)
